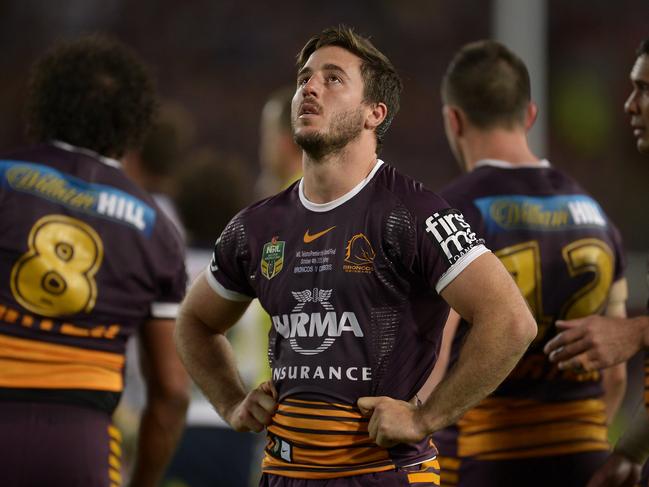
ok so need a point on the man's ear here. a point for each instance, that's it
(376, 115)
(454, 120)
(530, 115)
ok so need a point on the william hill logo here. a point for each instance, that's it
(359, 255)
(543, 213)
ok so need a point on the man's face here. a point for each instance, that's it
(637, 105)
(328, 110)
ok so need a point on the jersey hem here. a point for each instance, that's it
(459, 266)
(165, 310)
(224, 292)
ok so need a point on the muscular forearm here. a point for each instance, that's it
(210, 361)
(486, 358)
(161, 426)
(502, 328)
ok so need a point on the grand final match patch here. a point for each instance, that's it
(452, 233)
(272, 258)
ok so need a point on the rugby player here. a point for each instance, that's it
(566, 257)
(357, 265)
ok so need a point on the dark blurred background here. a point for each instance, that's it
(219, 60)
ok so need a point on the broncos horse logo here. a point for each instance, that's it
(359, 251)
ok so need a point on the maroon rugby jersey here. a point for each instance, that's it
(85, 257)
(564, 254)
(352, 287)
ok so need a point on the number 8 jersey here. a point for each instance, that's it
(86, 257)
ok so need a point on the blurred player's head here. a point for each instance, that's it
(345, 87)
(280, 158)
(486, 87)
(154, 164)
(92, 93)
(209, 183)
(637, 105)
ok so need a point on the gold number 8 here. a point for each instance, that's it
(56, 276)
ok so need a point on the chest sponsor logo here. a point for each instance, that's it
(272, 258)
(452, 233)
(359, 255)
(311, 333)
(310, 238)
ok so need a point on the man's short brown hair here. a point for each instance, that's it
(381, 81)
(643, 48)
(489, 83)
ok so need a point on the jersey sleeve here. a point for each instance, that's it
(170, 274)
(445, 242)
(227, 272)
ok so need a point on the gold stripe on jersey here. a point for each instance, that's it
(507, 428)
(449, 467)
(39, 365)
(320, 440)
(428, 474)
(114, 456)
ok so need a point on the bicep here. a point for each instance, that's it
(204, 304)
(482, 289)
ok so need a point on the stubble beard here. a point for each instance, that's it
(343, 129)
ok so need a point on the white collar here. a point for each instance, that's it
(322, 207)
(543, 163)
(71, 148)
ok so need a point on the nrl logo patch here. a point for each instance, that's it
(272, 258)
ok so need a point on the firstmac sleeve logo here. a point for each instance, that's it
(452, 233)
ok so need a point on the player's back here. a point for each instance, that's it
(564, 255)
(86, 257)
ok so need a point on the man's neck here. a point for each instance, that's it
(336, 174)
(504, 145)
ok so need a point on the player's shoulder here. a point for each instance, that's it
(407, 191)
(248, 222)
(76, 165)
(566, 182)
(272, 207)
(27, 153)
(497, 177)
(124, 209)
(466, 185)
